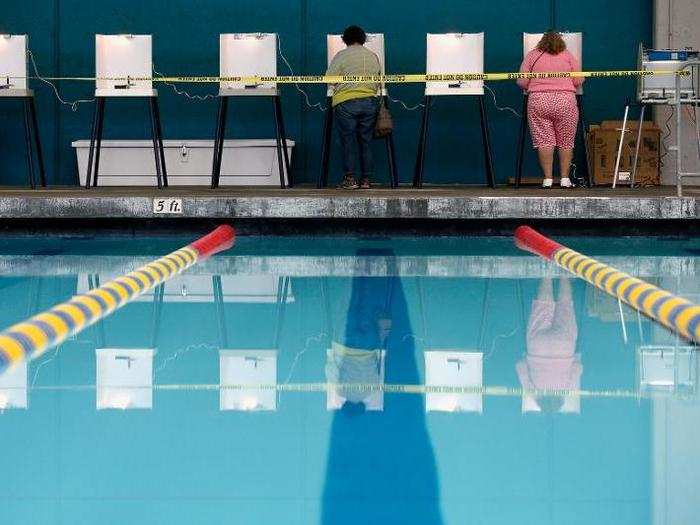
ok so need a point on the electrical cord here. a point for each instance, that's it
(317, 105)
(72, 105)
(499, 108)
(182, 93)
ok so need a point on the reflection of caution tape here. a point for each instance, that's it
(488, 391)
(387, 79)
(29, 339)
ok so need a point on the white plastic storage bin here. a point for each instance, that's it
(189, 162)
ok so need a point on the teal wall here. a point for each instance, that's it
(186, 42)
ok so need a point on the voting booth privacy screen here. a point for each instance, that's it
(455, 53)
(123, 57)
(248, 54)
(13, 61)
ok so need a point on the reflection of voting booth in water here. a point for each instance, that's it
(13, 85)
(124, 376)
(665, 368)
(450, 368)
(334, 44)
(454, 53)
(574, 44)
(365, 369)
(13, 387)
(249, 367)
(249, 55)
(121, 64)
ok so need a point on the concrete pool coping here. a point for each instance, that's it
(443, 203)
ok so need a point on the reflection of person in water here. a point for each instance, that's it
(551, 362)
(381, 466)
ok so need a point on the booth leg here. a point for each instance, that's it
(422, 144)
(37, 143)
(391, 156)
(161, 150)
(486, 139)
(28, 144)
(278, 144)
(521, 144)
(583, 125)
(154, 136)
(98, 138)
(283, 132)
(219, 142)
(326, 145)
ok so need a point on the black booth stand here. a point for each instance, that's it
(31, 133)
(326, 149)
(581, 132)
(423, 142)
(93, 168)
(280, 133)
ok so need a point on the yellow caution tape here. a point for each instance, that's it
(387, 79)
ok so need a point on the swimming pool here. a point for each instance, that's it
(563, 406)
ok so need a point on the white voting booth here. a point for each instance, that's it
(123, 68)
(13, 64)
(455, 53)
(125, 57)
(249, 55)
(13, 387)
(452, 368)
(124, 378)
(335, 44)
(240, 368)
(14, 85)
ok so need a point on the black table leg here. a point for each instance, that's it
(28, 144)
(154, 136)
(391, 156)
(521, 144)
(278, 145)
(98, 138)
(283, 132)
(326, 145)
(161, 150)
(422, 144)
(37, 143)
(486, 139)
(583, 126)
(219, 142)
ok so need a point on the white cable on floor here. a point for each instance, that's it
(72, 105)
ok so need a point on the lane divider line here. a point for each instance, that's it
(29, 339)
(674, 312)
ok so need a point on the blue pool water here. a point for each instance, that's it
(564, 406)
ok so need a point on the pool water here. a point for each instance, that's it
(422, 381)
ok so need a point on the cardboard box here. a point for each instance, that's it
(603, 143)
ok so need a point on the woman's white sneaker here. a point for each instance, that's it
(547, 183)
(566, 182)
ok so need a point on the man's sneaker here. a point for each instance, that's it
(565, 182)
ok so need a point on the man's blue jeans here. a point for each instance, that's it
(355, 120)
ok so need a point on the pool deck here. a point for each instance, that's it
(435, 203)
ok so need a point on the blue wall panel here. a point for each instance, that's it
(186, 42)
